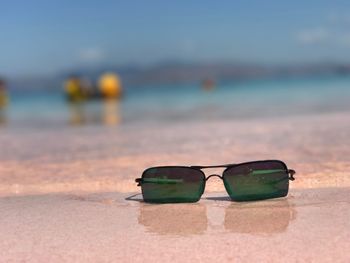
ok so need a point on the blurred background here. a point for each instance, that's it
(118, 62)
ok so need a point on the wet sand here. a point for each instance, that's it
(312, 225)
(67, 194)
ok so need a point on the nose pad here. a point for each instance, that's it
(213, 175)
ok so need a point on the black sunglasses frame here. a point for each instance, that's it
(290, 172)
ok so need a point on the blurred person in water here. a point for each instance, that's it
(3, 101)
(79, 91)
(3, 94)
(76, 89)
(208, 85)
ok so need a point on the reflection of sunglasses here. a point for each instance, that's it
(243, 182)
(180, 219)
(262, 218)
(254, 218)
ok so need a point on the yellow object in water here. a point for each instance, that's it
(110, 86)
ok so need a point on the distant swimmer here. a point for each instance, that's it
(3, 94)
(74, 88)
(208, 84)
(110, 86)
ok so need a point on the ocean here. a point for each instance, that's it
(186, 103)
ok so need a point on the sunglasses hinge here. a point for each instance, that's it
(138, 181)
(291, 174)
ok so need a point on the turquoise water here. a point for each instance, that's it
(230, 100)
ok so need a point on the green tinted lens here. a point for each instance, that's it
(257, 180)
(172, 185)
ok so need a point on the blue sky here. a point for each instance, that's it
(43, 36)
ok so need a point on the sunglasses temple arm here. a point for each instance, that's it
(157, 181)
(138, 181)
(291, 174)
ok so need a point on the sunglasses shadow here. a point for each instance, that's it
(138, 198)
(218, 198)
(132, 198)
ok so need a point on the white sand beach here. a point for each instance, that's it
(69, 194)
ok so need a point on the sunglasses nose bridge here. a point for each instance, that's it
(213, 175)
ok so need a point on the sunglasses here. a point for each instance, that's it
(248, 181)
